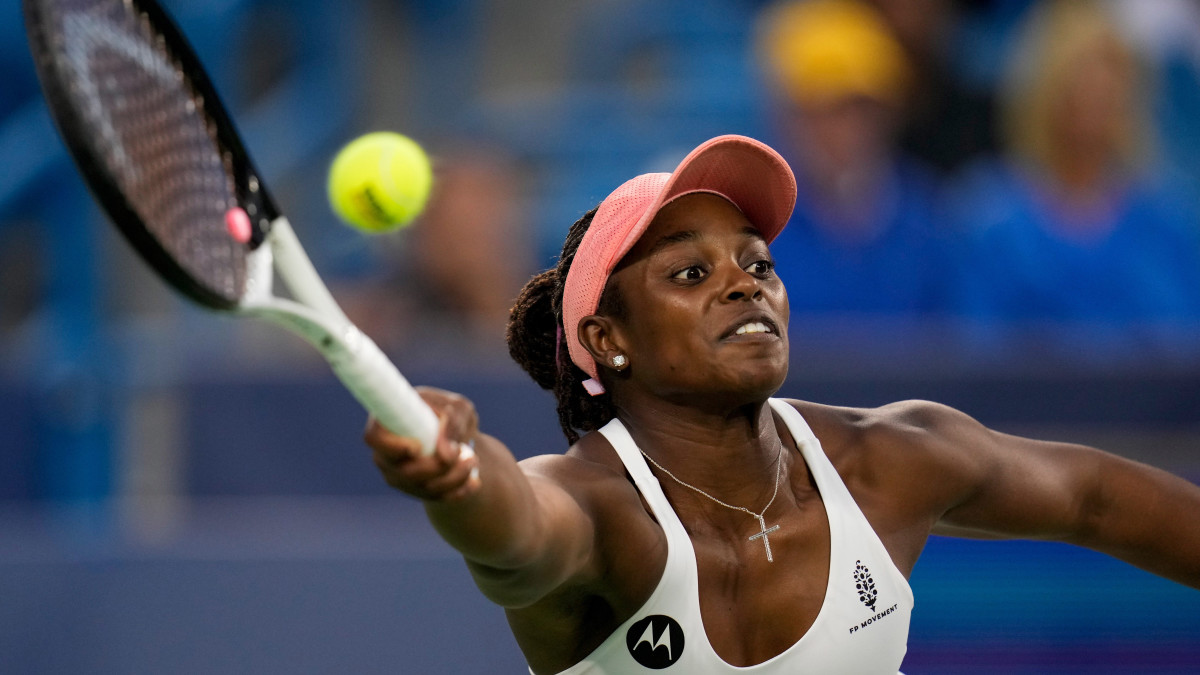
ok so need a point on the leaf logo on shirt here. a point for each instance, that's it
(865, 585)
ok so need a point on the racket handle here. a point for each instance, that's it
(359, 363)
(383, 391)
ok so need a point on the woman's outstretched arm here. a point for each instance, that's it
(520, 532)
(1007, 486)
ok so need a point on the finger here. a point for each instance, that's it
(466, 489)
(446, 447)
(449, 455)
(464, 471)
(435, 483)
(388, 445)
(460, 420)
(420, 469)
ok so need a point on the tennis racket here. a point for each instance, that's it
(161, 155)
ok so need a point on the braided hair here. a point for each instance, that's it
(535, 327)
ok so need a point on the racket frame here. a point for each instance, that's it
(251, 194)
(273, 247)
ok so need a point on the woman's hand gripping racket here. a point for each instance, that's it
(159, 151)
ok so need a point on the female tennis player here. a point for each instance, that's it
(700, 524)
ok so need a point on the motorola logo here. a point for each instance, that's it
(655, 642)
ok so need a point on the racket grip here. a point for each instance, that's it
(378, 385)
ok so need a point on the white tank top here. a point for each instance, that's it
(861, 629)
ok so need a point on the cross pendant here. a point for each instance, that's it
(762, 525)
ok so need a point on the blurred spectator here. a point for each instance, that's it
(1167, 34)
(861, 238)
(947, 122)
(473, 254)
(450, 279)
(1076, 223)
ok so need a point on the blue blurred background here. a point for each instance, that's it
(997, 212)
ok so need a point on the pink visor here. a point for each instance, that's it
(746, 172)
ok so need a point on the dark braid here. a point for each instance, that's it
(533, 328)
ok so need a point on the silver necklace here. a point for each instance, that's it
(762, 524)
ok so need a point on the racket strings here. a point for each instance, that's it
(152, 134)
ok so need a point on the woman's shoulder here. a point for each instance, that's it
(591, 455)
(903, 463)
(879, 433)
(914, 412)
(590, 470)
(914, 450)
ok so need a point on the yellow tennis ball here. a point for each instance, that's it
(380, 181)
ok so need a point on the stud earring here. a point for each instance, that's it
(618, 361)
